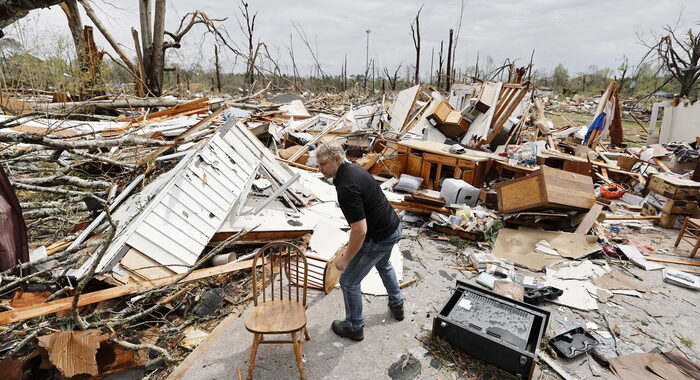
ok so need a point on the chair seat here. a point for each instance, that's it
(277, 317)
(694, 221)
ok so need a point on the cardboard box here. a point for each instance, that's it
(671, 206)
(673, 187)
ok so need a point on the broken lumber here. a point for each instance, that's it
(633, 217)
(38, 310)
(672, 261)
(589, 219)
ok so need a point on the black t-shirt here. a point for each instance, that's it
(360, 197)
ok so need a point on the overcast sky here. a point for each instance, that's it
(576, 33)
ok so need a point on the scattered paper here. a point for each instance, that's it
(591, 325)
(465, 304)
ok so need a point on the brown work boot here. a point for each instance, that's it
(397, 311)
(341, 328)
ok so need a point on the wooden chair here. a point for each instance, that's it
(281, 307)
(690, 232)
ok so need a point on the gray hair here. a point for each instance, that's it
(331, 149)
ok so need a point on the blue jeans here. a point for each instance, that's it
(371, 254)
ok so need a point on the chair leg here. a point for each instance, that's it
(681, 232)
(253, 351)
(297, 352)
(306, 333)
(695, 247)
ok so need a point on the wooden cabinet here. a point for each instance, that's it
(432, 162)
(438, 159)
(414, 164)
(546, 188)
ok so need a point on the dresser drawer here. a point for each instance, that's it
(438, 159)
(466, 164)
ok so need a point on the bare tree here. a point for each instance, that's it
(624, 70)
(439, 72)
(448, 72)
(415, 34)
(681, 58)
(393, 79)
(248, 33)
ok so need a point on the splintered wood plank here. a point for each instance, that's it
(38, 310)
(589, 219)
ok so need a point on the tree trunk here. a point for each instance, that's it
(75, 24)
(217, 67)
(145, 17)
(158, 54)
(439, 73)
(448, 77)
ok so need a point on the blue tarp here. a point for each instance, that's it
(598, 123)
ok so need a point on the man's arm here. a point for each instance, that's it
(358, 231)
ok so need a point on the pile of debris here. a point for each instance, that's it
(141, 225)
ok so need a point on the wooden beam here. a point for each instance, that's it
(503, 117)
(296, 164)
(632, 217)
(589, 219)
(661, 165)
(672, 261)
(38, 310)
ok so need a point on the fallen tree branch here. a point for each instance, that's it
(57, 191)
(201, 261)
(142, 346)
(91, 272)
(33, 138)
(102, 159)
(58, 180)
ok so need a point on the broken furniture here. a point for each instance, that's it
(281, 308)
(547, 188)
(538, 296)
(493, 328)
(673, 187)
(432, 161)
(448, 121)
(671, 212)
(690, 232)
(573, 342)
(671, 198)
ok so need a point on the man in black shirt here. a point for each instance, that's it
(374, 230)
